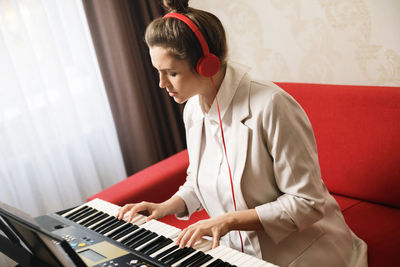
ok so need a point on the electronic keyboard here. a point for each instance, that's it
(100, 239)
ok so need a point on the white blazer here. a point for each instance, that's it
(276, 171)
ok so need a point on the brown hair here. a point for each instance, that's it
(178, 38)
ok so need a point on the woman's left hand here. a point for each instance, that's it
(214, 227)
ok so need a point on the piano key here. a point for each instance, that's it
(189, 259)
(238, 258)
(103, 224)
(144, 240)
(158, 247)
(158, 252)
(131, 228)
(228, 253)
(167, 251)
(106, 225)
(214, 263)
(138, 219)
(162, 229)
(176, 256)
(133, 236)
(73, 211)
(200, 246)
(119, 230)
(129, 235)
(180, 255)
(78, 213)
(132, 244)
(95, 220)
(113, 224)
(91, 217)
(84, 215)
(148, 246)
(216, 253)
(203, 260)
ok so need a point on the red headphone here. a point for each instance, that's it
(208, 65)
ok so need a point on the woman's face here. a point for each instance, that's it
(176, 76)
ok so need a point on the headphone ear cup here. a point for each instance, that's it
(208, 66)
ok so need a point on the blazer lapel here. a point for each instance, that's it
(241, 112)
(194, 140)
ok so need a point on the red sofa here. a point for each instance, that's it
(357, 129)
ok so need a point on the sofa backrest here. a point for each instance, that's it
(357, 129)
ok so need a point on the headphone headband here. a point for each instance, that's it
(194, 28)
(209, 64)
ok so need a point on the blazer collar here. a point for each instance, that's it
(234, 74)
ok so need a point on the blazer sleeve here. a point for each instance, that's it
(290, 140)
(187, 191)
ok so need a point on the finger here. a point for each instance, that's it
(215, 240)
(123, 210)
(152, 216)
(180, 236)
(186, 238)
(195, 237)
(136, 209)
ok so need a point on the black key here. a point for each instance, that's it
(112, 227)
(201, 261)
(144, 240)
(84, 215)
(159, 246)
(133, 236)
(77, 211)
(103, 223)
(217, 263)
(152, 244)
(107, 224)
(95, 220)
(92, 217)
(192, 259)
(119, 230)
(130, 229)
(172, 255)
(179, 255)
(138, 237)
(166, 252)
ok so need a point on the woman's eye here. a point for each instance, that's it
(172, 74)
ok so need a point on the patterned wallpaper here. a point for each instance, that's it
(316, 41)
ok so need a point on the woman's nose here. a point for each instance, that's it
(163, 81)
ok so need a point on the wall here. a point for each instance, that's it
(316, 41)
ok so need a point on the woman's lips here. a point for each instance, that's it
(172, 94)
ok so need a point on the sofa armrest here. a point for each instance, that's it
(155, 183)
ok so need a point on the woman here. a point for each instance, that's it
(276, 197)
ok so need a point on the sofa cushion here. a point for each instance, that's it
(357, 134)
(378, 226)
(155, 183)
(196, 216)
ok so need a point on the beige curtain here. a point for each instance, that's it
(149, 123)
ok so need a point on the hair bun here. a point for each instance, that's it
(176, 5)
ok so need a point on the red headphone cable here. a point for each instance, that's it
(226, 156)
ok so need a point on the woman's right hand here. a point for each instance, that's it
(155, 210)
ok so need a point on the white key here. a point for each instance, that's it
(114, 230)
(153, 255)
(184, 258)
(127, 235)
(226, 255)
